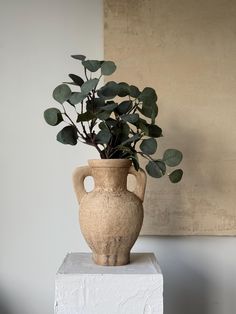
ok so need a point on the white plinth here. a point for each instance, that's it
(85, 288)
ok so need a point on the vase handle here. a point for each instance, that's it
(79, 175)
(141, 179)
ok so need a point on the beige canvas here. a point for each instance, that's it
(186, 50)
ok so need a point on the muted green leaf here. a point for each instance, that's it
(95, 104)
(172, 157)
(131, 118)
(149, 146)
(110, 90)
(62, 93)
(76, 98)
(89, 85)
(108, 67)
(148, 96)
(122, 131)
(124, 107)
(123, 89)
(78, 57)
(154, 114)
(149, 110)
(103, 115)
(156, 169)
(53, 116)
(103, 136)
(131, 139)
(109, 106)
(86, 116)
(134, 91)
(176, 175)
(154, 130)
(76, 79)
(111, 122)
(108, 124)
(92, 65)
(143, 126)
(68, 135)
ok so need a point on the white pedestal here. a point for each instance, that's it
(85, 288)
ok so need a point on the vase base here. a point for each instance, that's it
(111, 260)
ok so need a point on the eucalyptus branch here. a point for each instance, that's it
(84, 129)
(72, 122)
(124, 135)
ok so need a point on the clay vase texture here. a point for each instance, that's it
(110, 216)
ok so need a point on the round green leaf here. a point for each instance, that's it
(149, 110)
(88, 86)
(172, 157)
(112, 123)
(68, 135)
(156, 169)
(149, 146)
(110, 90)
(109, 106)
(92, 65)
(103, 115)
(123, 89)
(61, 93)
(131, 118)
(53, 116)
(148, 95)
(76, 98)
(108, 67)
(103, 137)
(134, 91)
(154, 130)
(176, 175)
(124, 107)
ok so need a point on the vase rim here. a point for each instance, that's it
(110, 163)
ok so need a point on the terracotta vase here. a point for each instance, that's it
(110, 216)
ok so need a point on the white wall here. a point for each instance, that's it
(38, 213)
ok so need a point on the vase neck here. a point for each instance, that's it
(110, 179)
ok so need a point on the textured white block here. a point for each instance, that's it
(85, 288)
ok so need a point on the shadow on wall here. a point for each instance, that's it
(186, 287)
(4, 309)
(189, 297)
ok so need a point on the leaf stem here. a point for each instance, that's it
(68, 117)
(146, 156)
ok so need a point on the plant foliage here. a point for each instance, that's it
(117, 119)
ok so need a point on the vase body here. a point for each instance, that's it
(110, 216)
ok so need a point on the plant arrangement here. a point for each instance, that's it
(117, 119)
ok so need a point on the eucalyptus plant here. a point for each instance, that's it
(117, 119)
